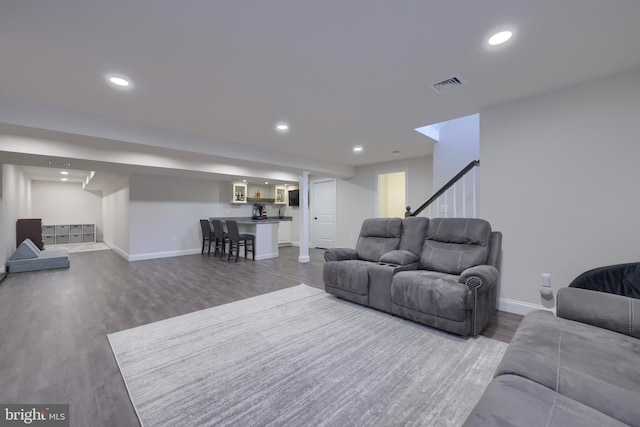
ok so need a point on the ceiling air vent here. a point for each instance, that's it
(448, 84)
(56, 164)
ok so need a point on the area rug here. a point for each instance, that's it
(81, 247)
(300, 357)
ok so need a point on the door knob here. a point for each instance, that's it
(315, 217)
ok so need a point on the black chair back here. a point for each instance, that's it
(207, 234)
(218, 230)
(232, 229)
(206, 228)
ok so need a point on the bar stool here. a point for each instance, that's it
(207, 234)
(236, 240)
(220, 237)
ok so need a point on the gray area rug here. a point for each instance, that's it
(81, 247)
(300, 357)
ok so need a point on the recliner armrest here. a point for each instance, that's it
(340, 254)
(399, 257)
(480, 277)
(609, 311)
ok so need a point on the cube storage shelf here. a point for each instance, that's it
(63, 234)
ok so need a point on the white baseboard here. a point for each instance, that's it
(519, 307)
(264, 256)
(168, 254)
(116, 249)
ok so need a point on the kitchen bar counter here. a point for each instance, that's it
(265, 230)
(249, 220)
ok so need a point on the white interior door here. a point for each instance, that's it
(324, 214)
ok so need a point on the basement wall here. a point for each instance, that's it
(15, 203)
(356, 197)
(559, 178)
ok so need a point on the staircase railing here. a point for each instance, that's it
(443, 192)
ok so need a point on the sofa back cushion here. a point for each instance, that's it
(377, 237)
(414, 231)
(455, 244)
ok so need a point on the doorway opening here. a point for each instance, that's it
(392, 194)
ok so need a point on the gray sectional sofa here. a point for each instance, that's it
(579, 368)
(441, 272)
(28, 257)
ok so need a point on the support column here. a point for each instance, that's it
(304, 218)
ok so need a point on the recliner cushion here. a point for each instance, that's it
(510, 400)
(377, 237)
(432, 293)
(591, 365)
(455, 244)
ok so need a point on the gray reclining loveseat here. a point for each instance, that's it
(579, 368)
(441, 272)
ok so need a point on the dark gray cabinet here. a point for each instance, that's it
(29, 229)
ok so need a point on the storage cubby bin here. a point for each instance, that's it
(62, 239)
(62, 234)
(62, 229)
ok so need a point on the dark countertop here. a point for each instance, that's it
(248, 220)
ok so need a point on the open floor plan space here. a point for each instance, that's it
(54, 324)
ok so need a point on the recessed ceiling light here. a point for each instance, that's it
(64, 179)
(358, 149)
(282, 127)
(119, 81)
(244, 180)
(64, 173)
(266, 182)
(500, 38)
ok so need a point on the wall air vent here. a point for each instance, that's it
(448, 84)
(56, 164)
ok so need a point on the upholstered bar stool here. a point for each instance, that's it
(220, 237)
(207, 234)
(236, 240)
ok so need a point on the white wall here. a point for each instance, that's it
(165, 214)
(356, 198)
(66, 203)
(560, 179)
(3, 251)
(148, 216)
(115, 216)
(16, 203)
(459, 144)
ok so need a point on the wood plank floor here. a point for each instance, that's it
(53, 324)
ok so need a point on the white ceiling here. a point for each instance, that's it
(50, 174)
(218, 75)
